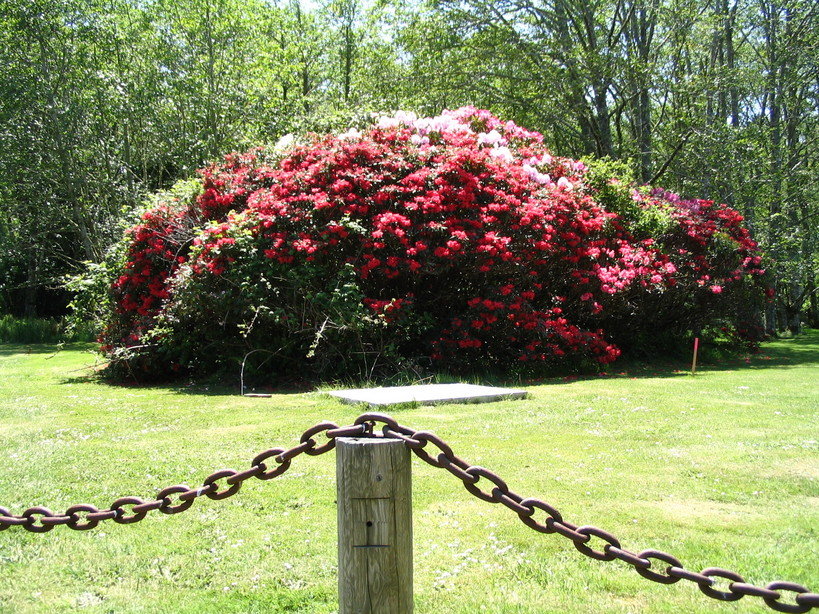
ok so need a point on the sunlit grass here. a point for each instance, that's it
(721, 469)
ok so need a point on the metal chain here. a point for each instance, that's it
(176, 499)
(653, 565)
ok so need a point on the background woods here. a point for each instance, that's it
(104, 101)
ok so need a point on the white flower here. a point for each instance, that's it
(385, 122)
(405, 118)
(564, 184)
(351, 135)
(422, 125)
(417, 139)
(491, 138)
(284, 143)
(502, 153)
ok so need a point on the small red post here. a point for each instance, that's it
(694, 362)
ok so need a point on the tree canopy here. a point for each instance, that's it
(105, 101)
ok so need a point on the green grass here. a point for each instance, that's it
(721, 469)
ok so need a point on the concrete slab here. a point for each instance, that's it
(429, 394)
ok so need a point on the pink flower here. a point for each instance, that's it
(536, 175)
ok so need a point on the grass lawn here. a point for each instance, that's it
(721, 469)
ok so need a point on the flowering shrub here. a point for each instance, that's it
(458, 240)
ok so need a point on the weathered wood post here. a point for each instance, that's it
(374, 488)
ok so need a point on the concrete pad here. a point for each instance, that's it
(429, 394)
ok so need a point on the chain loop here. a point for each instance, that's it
(76, 520)
(692, 576)
(372, 417)
(30, 514)
(753, 591)
(102, 515)
(478, 473)
(148, 506)
(293, 452)
(121, 518)
(655, 576)
(55, 520)
(629, 557)
(410, 440)
(808, 599)
(568, 530)
(774, 604)
(721, 573)
(228, 492)
(315, 430)
(605, 555)
(166, 504)
(456, 469)
(424, 437)
(254, 472)
(529, 519)
(510, 499)
(259, 461)
(355, 430)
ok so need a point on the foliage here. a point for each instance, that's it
(103, 102)
(91, 287)
(458, 239)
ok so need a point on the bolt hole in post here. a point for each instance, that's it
(374, 526)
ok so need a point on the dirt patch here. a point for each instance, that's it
(807, 468)
(688, 510)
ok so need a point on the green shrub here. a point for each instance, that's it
(457, 241)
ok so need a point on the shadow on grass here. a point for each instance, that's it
(190, 388)
(11, 349)
(797, 351)
(802, 350)
(23, 348)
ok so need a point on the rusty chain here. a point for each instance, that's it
(175, 499)
(127, 510)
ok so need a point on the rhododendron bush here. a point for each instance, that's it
(458, 242)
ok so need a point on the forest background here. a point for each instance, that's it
(105, 101)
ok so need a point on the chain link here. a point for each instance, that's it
(653, 565)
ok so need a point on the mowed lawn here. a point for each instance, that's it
(721, 469)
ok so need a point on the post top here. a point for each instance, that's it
(361, 441)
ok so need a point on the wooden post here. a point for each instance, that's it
(694, 361)
(374, 489)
